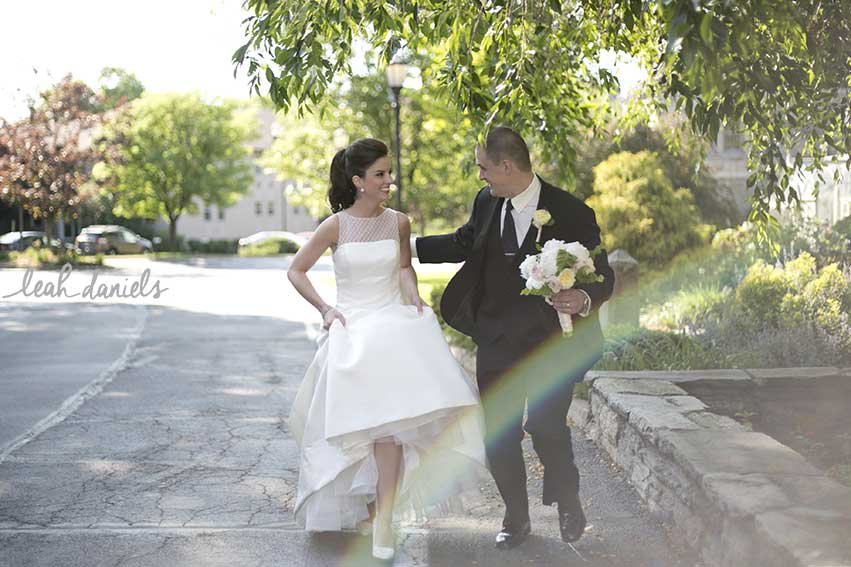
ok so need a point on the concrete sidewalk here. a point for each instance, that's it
(184, 459)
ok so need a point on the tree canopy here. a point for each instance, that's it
(777, 71)
(46, 157)
(118, 87)
(437, 157)
(164, 152)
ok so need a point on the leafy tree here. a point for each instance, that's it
(162, 152)
(779, 69)
(46, 158)
(680, 154)
(437, 157)
(118, 87)
(640, 211)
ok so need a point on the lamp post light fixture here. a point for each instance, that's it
(396, 73)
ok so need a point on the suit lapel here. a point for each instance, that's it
(490, 209)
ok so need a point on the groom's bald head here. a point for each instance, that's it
(504, 143)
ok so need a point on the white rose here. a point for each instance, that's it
(526, 266)
(541, 217)
(579, 251)
(552, 245)
(534, 284)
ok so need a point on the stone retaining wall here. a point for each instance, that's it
(739, 497)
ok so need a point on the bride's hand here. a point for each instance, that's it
(330, 315)
(419, 304)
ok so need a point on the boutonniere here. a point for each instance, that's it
(540, 219)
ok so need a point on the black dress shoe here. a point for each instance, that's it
(512, 537)
(571, 521)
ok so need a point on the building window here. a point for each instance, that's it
(258, 208)
(732, 140)
(271, 208)
(207, 214)
(221, 213)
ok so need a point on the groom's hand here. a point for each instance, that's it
(570, 301)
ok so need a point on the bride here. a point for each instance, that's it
(383, 408)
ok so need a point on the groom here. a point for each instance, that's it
(522, 357)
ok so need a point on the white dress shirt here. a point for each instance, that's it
(525, 204)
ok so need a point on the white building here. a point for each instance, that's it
(833, 201)
(728, 163)
(263, 207)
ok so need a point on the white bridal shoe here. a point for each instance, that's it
(383, 553)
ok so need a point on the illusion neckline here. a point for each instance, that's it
(379, 215)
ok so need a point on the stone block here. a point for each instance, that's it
(811, 537)
(709, 420)
(686, 404)
(704, 452)
(579, 412)
(608, 386)
(608, 424)
(671, 477)
(744, 494)
(815, 492)
(650, 414)
(676, 376)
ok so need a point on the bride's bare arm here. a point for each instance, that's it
(324, 237)
(408, 275)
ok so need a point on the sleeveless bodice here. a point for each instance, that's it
(366, 262)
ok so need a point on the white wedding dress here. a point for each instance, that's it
(387, 373)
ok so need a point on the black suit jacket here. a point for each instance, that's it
(573, 221)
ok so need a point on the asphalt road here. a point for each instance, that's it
(152, 432)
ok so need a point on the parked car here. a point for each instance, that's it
(111, 239)
(9, 241)
(265, 235)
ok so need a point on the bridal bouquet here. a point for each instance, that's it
(556, 267)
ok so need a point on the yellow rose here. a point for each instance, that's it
(567, 278)
(541, 218)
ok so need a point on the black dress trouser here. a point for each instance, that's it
(505, 391)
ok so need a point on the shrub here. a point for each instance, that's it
(640, 211)
(843, 228)
(221, 246)
(803, 345)
(270, 247)
(691, 308)
(37, 257)
(760, 295)
(792, 315)
(644, 349)
(798, 234)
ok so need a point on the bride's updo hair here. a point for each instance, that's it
(348, 162)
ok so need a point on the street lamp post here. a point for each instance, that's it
(395, 77)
